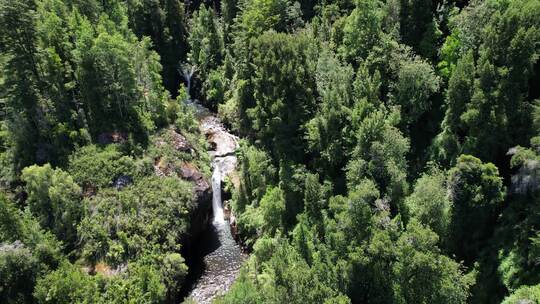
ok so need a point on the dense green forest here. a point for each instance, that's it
(390, 149)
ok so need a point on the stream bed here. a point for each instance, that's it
(220, 257)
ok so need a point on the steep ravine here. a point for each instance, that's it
(217, 257)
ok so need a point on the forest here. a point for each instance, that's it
(389, 150)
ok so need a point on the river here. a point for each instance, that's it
(220, 256)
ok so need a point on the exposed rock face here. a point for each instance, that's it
(201, 215)
(190, 172)
(223, 142)
(202, 212)
(176, 140)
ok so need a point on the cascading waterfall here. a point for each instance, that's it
(217, 204)
(221, 255)
(187, 72)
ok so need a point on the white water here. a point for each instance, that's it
(222, 257)
(187, 72)
(217, 204)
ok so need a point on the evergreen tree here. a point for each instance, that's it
(164, 21)
(476, 192)
(283, 89)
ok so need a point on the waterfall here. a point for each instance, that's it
(217, 205)
(187, 72)
(222, 258)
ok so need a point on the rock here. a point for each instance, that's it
(168, 166)
(176, 140)
(221, 141)
(112, 137)
(201, 214)
(179, 142)
(105, 269)
(122, 181)
(7, 247)
(89, 190)
(162, 168)
(190, 172)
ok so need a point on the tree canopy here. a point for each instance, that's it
(388, 151)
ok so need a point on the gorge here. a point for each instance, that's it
(218, 256)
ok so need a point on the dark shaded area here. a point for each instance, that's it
(534, 82)
(202, 245)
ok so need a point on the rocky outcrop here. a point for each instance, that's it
(202, 213)
(202, 209)
(176, 140)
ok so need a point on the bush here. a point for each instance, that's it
(151, 215)
(93, 166)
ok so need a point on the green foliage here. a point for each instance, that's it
(229, 11)
(316, 199)
(256, 174)
(68, 284)
(379, 154)
(150, 216)
(206, 52)
(425, 275)
(286, 277)
(283, 87)
(177, 145)
(250, 223)
(229, 112)
(352, 215)
(524, 294)
(257, 16)
(362, 30)
(519, 237)
(18, 269)
(291, 182)
(55, 199)
(429, 203)
(243, 291)
(141, 284)
(115, 97)
(476, 191)
(327, 132)
(337, 102)
(272, 207)
(174, 272)
(205, 41)
(449, 55)
(95, 167)
(486, 92)
(37, 112)
(26, 252)
(164, 21)
(459, 91)
(22, 226)
(418, 26)
(415, 86)
(73, 77)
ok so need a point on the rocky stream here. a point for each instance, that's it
(218, 256)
